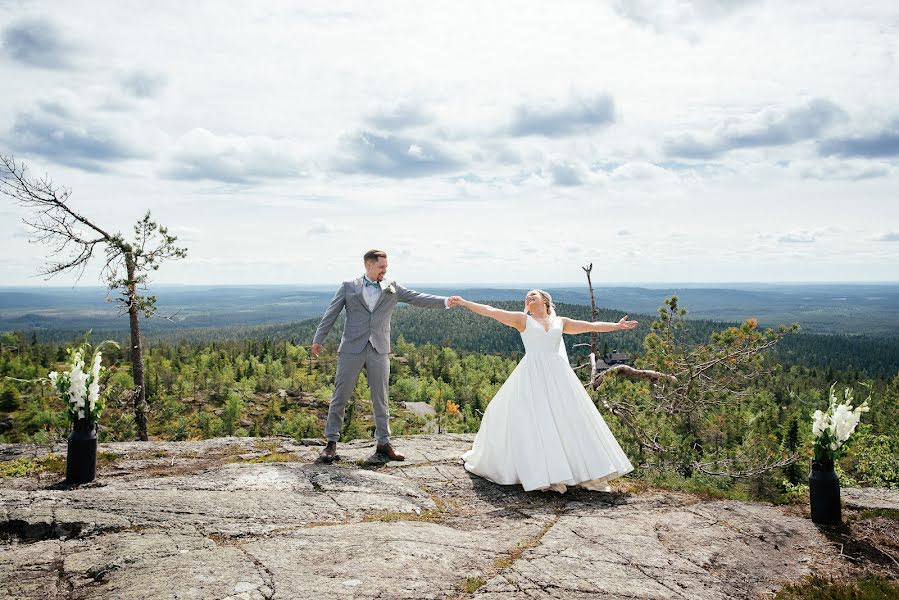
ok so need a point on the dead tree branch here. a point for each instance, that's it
(626, 371)
(755, 471)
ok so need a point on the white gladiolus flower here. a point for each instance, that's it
(819, 423)
(79, 385)
(93, 392)
(78, 379)
(833, 428)
(95, 368)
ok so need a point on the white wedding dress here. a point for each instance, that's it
(541, 429)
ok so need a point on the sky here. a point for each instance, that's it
(475, 142)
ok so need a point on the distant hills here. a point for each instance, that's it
(868, 309)
(844, 327)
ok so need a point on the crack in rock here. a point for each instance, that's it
(267, 591)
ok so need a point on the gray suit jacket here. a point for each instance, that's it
(364, 325)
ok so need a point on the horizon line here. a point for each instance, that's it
(505, 284)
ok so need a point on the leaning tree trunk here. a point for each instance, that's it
(137, 355)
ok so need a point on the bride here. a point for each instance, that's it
(541, 430)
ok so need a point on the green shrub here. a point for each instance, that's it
(22, 467)
(299, 425)
(232, 413)
(869, 587)
(121, 428)
(118, 384)
(873, 460)
(10, 399)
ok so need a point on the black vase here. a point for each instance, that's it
(81, 459)
(824, 493)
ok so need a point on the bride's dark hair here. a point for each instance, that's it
(547, 302)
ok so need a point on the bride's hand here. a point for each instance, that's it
(623, 323)
(455, 301)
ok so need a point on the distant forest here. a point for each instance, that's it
(874, 356)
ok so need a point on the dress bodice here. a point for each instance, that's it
(539, 340)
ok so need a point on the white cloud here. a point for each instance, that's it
(202, 155)
(320, 227)
(640, 171)
(65, 127)
(186, 234)
(404, 114)
(578, 115)
(566, 174)
(835, 169)
(684, 17)
(772, 126)
(797, 237)
(144, 84)
(38, 42)
(317, 131)
(372, 153)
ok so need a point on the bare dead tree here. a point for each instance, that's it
(74, 239)
(588, 269)
(597, 378)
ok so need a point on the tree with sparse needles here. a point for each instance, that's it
(73, 240)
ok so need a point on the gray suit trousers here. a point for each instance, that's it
(377, 370)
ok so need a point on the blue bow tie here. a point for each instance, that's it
(372, 283)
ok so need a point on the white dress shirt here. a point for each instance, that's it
(371, 293)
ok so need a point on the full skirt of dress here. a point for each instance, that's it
(542, 431)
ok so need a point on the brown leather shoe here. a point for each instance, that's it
(329, 453)
(388, 451)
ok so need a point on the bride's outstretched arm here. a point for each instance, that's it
(506, 317)
(575, 326)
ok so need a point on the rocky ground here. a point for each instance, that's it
(259, 518)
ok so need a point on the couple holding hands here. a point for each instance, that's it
(541, 429)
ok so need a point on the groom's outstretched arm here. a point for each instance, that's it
(419, 299)
(330, 316)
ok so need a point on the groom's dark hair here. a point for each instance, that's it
(374, 255)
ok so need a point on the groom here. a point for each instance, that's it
(369, 302)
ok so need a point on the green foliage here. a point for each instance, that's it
(23, 467)
(873, 460)
(121, 427)
(868, 587)
(19, 467)
(794, 493)
(119, 383)
(299, 426)
(711, 418)
(274, 457)
(232, 413)
(129, 264)
(10, 399)
(873, 513)
(473, 584)
(707, 486)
